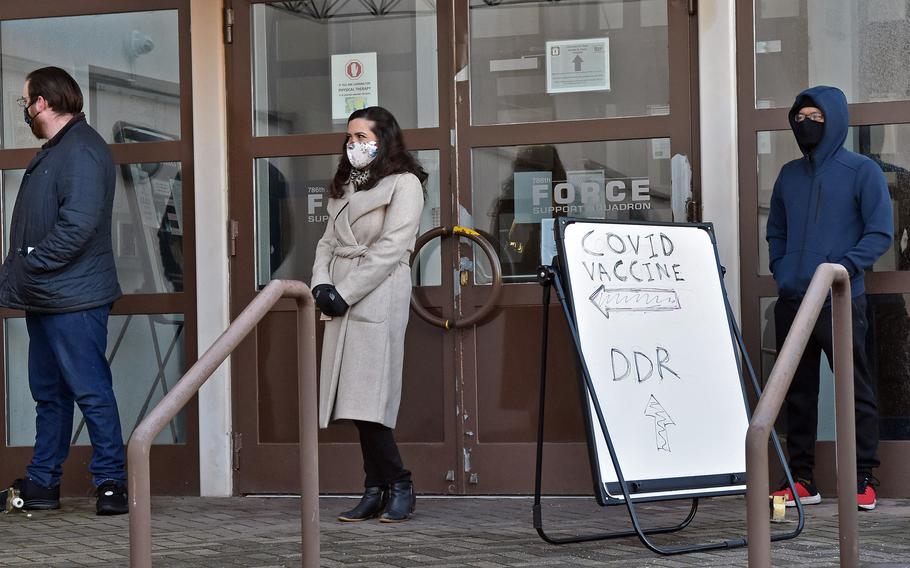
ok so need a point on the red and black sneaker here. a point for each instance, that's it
(808, 493)
(865, 491)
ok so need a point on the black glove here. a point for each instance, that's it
(329, 301)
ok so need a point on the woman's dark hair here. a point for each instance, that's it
(58, 88)
(392, 156)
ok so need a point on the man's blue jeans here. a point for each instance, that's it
(66, 365)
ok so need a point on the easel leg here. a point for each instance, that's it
(547, 276)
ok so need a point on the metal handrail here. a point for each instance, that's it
(141, 440)
(835, 278)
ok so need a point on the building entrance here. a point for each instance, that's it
(521, 111)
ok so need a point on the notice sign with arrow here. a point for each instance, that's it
(578, 65)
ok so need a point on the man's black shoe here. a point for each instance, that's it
(112, 499)
(371, 504)
(32, 495)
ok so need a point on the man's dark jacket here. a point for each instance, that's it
(60, 257)
(831, 205)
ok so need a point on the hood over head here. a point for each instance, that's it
(833, 104)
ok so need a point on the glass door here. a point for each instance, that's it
(292, 65)
(131, 60)
(783, 48)
(572, 108)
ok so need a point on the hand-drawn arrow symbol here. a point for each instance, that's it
(661, 421)
(634, 300)
(577, 61)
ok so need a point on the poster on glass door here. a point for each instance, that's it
(354, 83)
(578, 65)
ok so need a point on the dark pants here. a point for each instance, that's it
(381, 460)
(67, 365)
(802, 398)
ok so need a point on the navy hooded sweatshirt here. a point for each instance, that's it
(831, 205)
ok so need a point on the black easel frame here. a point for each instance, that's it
(551, 276)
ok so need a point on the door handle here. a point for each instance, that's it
(495, 289)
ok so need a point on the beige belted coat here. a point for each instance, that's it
(365, 253)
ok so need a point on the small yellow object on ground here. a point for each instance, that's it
(779, 509)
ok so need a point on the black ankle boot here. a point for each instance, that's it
(401, 503)
(371, 504)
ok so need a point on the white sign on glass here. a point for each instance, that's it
(355, 83)
(578, 65)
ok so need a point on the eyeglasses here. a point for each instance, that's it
(22, 102)
(814, 117)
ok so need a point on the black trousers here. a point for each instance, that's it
(801, 404)
(381, 459)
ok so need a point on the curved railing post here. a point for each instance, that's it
(309, 429)
(182, 392)
(827, 277)
(845, 420)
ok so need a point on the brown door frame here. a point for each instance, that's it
(165, 478)
(460, 370)
(244, 148)
(756, 286)
(566, 468)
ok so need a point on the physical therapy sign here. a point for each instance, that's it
(354, 83)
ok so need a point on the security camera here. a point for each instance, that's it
(139, 44)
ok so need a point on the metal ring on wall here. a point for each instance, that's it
(487, 248)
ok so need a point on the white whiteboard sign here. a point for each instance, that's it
(657, 344)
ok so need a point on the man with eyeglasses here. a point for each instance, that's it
(60, 271)
(831, 205)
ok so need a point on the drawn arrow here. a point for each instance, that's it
(577, 61)
(661, 421)
(634, 300)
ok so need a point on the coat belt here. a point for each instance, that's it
(357, 251)
(350, 251)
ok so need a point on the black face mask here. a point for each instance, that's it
(29, 120)
(809, 134)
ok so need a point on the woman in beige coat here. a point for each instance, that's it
(362, 284)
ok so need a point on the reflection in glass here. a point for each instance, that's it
(518, 190)
(538, 61)
(147, 358)
(291, 216)
(148, 228)
(313, 66)
(10, 180)
(127, 66)
(888, 345)
(859, 46)
(887, 144)
(146, 225)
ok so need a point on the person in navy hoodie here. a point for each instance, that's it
(831, 205)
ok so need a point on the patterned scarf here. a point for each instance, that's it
(358, 177)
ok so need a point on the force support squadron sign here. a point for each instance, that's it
(578, 65)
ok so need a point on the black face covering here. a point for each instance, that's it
(809, 134)
(29, 120)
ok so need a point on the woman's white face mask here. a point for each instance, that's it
(361, 154)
